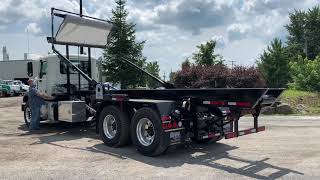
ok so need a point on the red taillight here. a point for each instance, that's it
(175, 124)
(164, 126)
(169, 123)
(166, 118)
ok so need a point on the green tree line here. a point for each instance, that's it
(295, 64)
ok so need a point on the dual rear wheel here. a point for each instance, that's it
(145, 130)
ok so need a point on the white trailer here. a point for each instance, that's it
(17, 69)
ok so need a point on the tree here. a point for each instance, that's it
(154, 69)
(186, 64)
(304, 33)
(274, 65)
(171, 77)
(123, 44)
(206, 55)
(306, 74)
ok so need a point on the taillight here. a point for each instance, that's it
(169, 123)
(166, 118)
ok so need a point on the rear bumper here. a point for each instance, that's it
(244, 132)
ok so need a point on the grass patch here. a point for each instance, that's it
(310, 100)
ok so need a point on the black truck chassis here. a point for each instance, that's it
(157, 119)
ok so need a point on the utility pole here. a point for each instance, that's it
(28, 41)
(81, 48)
(232, 64)
(164, 76)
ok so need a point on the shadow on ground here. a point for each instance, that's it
(214, 155)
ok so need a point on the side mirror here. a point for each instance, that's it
(30, 69)
(63, 68)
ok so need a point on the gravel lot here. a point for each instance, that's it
(288, 149)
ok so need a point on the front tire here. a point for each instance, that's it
(147, 133)
(114, 126)
(27, 115)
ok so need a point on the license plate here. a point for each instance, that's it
(175, 137)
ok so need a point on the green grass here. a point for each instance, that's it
(297, 94)
(309, 99)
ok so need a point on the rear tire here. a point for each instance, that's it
(114, 126)
(147, 133)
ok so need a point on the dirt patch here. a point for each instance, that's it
(10, 101)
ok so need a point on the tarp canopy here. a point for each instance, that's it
(85, 32)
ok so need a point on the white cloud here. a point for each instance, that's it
(221, 42)
(33, 28)
(238, 31)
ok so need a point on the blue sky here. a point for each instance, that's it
(172, 28)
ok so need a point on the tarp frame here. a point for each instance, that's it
(58, 13)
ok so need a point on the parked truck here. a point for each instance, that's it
(152, 119)
(5, 89)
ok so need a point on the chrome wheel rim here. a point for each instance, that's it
(110, 126)
(145, 131)
(28, 115)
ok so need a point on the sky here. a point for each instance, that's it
(171, 28)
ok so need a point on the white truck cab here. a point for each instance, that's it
(53, 80)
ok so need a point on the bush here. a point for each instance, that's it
(245, 77)
(305, 74)
(218, 76)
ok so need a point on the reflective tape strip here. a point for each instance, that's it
(211, 135)
(262, 128)
(118, 98)
(242, 104)
(231, 135)
(220, 103)
(245, 132)
(206, 102)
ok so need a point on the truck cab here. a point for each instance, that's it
(52, 77)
